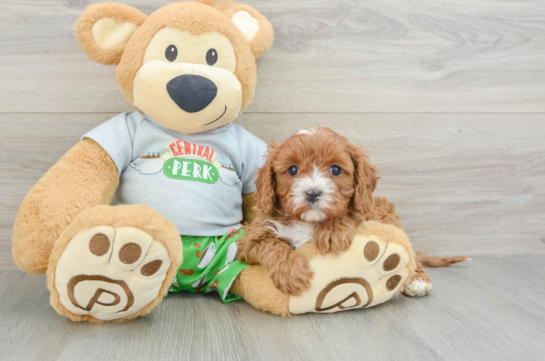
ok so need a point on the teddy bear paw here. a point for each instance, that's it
(110, 272)
(371, 272)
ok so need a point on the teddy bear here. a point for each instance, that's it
(180, 175)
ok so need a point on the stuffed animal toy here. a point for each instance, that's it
(182, 177)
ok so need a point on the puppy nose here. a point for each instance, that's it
(192, 93)
(312, 195)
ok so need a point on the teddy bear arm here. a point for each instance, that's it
(248, 203)
(84, 177)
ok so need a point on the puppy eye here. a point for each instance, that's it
(211, 57)
(335, 170)
(293, 170)
(171, 53)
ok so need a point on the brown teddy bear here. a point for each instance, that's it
(176, 168)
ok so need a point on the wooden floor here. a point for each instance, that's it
(448, 97)
(487, 309)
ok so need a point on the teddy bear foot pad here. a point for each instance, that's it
(370, 273)
(110, 272)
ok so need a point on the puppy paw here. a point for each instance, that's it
(333, 238)
(110, 272)
(292, 276)
(418, 287)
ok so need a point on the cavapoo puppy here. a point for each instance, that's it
(317, 187)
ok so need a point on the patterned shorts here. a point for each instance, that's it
(209, 264)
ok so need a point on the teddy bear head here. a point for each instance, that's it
(190, 65)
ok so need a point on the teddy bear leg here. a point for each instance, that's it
(256, 287)
(84, 177)
(375, 268)
(420, 284)
(113, 263)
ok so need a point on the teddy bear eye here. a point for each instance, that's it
(293, 170)
(211, 57)
(171, 53)
(335, 170)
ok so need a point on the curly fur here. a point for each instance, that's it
(248, 203)
(349, 201)
(257, 288)
(314, 151)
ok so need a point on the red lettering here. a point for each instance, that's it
(200, 150)
(180, 148)
(206, 153)
(211, 155)
(194, 149)
(174, 151)
(187, 148)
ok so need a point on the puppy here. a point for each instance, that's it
(317, 187)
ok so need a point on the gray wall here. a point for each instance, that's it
(448, 97)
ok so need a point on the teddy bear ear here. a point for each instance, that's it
(257, 30)
(103, 30)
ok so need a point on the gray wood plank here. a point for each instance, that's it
(472, 184)
(329, 55)
(463, 183)
(488, 309)
(6, 258)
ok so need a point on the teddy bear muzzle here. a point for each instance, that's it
(187, 97)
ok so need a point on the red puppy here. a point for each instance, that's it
(315, 186)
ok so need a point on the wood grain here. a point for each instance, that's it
(470, 184)
(447, 96)
(488, 309)
(329, 56)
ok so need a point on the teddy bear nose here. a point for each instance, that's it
(192, 93)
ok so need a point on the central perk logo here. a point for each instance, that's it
(183, 160)
(191, 169)
(187, 161)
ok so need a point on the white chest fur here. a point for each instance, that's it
(298, 232)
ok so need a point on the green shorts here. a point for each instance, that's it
(209, 264)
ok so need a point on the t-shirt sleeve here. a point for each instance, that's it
(253, 152)
(116, 136)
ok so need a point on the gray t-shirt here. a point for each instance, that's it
(195, 180)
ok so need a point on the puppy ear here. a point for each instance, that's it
(365, 180)
(103, 30)
(257, 30)
(266, 184)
